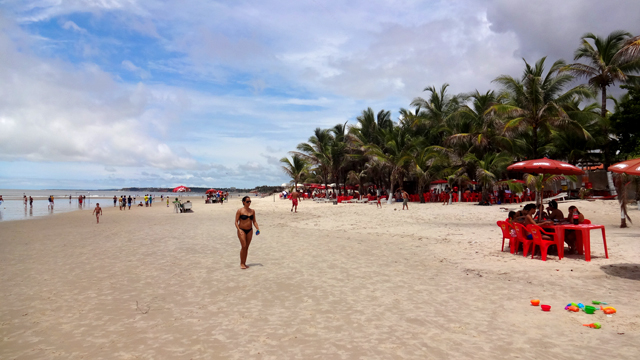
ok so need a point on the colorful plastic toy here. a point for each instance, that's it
(545, 307)
(608, 310)
(593, 325)
(581, 305)
(598, 302)
(589, 309)
(535, 302)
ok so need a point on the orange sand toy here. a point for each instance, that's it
(535, 302)
(573, 308)
(593, 325)
(608, 310)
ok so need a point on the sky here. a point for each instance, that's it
(132, 93)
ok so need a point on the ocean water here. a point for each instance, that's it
(13, 208)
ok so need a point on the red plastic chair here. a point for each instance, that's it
(536, 232)
(521, 239)
(506, 234)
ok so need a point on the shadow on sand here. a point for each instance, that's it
(627, 271)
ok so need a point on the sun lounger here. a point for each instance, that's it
(562, 196)
(363, 201)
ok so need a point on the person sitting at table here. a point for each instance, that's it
(570, 235)
(553, 213)
(529, 210)
(573, 209)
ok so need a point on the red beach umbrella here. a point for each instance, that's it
(440, 182)
(629, 167)
(545, 166)
(181, 189)
(211, 191)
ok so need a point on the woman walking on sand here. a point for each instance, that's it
(245, 218)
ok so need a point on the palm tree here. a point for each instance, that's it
(611, 60)
(489, 169)
(538, 183)
(338, 151)
(439, 107)
(396, 154)
(536, 101)
(295, 168)
(478, 127)
(317, 151)
(426, 166)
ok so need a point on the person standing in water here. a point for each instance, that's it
(245, 218)
(97, 211)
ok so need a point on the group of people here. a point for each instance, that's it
(217, 197)
(123, 201)
(531, 215)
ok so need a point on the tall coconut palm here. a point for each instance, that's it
(396, 154)
(536, 101)
(317, 151)
(478, 127)
(295, 168)
(610, 60)
(439, 106)
(338, 151)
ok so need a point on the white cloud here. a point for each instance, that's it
(70, 25)
(128, 65)
(51, 111)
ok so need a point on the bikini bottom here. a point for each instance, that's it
(246, 231)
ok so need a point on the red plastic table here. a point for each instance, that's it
(584, 230)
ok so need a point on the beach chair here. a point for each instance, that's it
(364, 200)
(536, 232)
(562, 196)
(521, 239)
(506, 234)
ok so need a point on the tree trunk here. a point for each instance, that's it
(535, 141)
(390, 192)
(612, 187)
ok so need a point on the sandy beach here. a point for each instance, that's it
(330, 282)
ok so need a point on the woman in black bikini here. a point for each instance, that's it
(245, 217)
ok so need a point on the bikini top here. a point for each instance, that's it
(245, 217)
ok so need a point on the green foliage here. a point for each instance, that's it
(626, 123)
(475, 136)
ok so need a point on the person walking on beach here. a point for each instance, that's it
(80, 199)
(115, 199)
(405, 199)
(97, 211)
(1, 200)
(30, 201)
(245, 218)
(150, 200)
(146, 200)
(129, 201)
(25, 200)
(51, 202)
(295, 195)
